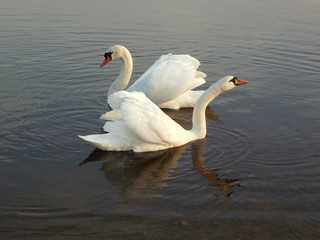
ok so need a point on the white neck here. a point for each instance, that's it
(199, 112)
(123, 79)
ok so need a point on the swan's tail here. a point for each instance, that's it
(108, 142)
(200, 74)
(112, 115)
(97, 140)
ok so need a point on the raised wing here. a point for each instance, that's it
(169, 77)
(144, 122)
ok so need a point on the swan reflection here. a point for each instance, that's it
(137, 174)
(133, 172)
(216, 180)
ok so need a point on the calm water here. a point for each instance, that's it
(255, 176)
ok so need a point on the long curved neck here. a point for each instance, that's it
(199, 127)
(123, 79)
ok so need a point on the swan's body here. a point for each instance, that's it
(168, 82)
(145, 127)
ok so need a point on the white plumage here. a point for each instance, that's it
(169, 77)
(144, 127)
(168, 82)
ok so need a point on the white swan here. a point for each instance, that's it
(145, 127)
(168, 82)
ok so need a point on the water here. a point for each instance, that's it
(255, 175)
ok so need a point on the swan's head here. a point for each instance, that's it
(116, 51)
(229, 82)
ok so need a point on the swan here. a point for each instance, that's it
(168, 82)
(145, 127)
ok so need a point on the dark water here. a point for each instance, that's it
(255, 176)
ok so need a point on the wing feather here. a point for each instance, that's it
(144, 122)
(169, 77)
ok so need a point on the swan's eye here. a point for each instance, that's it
(233, 79)
(108, 55)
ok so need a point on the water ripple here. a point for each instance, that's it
(227, 146)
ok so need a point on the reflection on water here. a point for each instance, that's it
(217, 180)
(136, 173)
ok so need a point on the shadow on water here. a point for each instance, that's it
(136, 173)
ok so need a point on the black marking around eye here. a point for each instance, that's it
(108, 54)
(233, 79)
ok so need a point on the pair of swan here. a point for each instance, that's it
(168, 82)
(144, 127)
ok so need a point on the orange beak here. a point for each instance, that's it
(239, 82)
(105, 61)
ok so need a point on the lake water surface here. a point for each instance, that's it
(255, 176)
